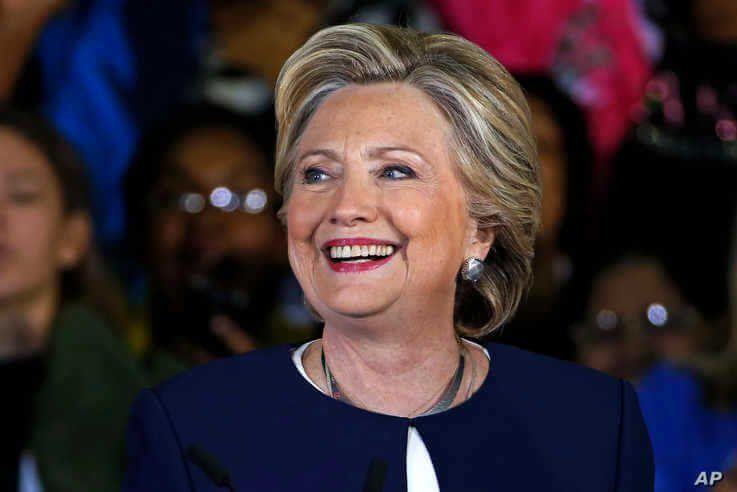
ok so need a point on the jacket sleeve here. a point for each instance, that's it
(635, 466)
(154, 457)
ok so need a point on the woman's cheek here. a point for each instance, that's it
(425, 218)
(34, 235)
(303, 214)
(303, 219)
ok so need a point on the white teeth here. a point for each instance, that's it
(361, 251)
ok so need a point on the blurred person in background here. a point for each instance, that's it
(690, 407)
(637, 315)
(201, 212)
(101, 71)
(68, 380)
(559, 266)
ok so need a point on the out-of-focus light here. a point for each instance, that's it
(673, 111)
(233, 204)
(726, 130)
(192, 203)
(657, 314)
(221, 197)
(606, 320)
(255, 201)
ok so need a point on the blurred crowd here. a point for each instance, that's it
(138, 228)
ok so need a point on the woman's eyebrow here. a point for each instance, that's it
(329, 153)
(379, 151)
(372, 153)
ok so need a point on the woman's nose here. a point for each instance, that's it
(356, 200)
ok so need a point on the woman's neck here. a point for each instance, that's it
(397, 371)
(33, 314)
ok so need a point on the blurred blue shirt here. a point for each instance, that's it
(687, 437)
(110, 69)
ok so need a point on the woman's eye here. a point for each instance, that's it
(397, 172)
(313, 175)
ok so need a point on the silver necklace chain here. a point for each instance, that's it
(443, 403)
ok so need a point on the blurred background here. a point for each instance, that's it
(138, 234)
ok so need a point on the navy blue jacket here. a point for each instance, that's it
(536, 424)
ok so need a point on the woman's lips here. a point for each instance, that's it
(357, 266)
(374, 253)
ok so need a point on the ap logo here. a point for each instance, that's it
(708, 479)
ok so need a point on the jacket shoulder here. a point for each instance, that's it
(238, 372)
(585, 419)
(559, 395)
(548, 374)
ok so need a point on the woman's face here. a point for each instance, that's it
(373, 166)
(185, 243)
(37, 240)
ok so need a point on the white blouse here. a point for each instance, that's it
(420, 471)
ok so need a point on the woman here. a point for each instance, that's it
(67, 380)
(404, 159)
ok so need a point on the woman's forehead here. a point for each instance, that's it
(21, 158)
(377, 117)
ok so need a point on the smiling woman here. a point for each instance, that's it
(411, 190)
(371, 180)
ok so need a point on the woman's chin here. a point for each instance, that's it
(354, 305)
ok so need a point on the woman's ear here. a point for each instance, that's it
(74, 242)
(480, 240)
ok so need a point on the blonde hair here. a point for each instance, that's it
(492, 140)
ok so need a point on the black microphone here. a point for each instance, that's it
(209, 464)
(376, 476)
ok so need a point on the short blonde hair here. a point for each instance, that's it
(492, 140)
